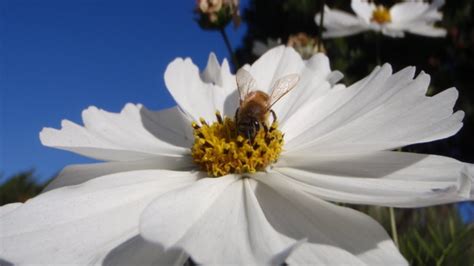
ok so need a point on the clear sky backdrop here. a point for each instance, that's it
(58, 57)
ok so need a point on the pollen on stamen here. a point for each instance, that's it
(219, 150)
(381, 15)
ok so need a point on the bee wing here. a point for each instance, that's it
(282, 87)
(245, 83)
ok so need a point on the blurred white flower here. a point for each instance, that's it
(415, 17)
(338, 143)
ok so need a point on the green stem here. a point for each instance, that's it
(321, 24)
(229, 47)
(378, 48)
(393, 224)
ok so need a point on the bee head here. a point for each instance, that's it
(248, 127)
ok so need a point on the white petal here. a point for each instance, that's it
(315, 81)
(315, 75)
(383, 178)
(340, 23)
(201, 95)
(77, 174)
(363, 9)
(82, 223)
(380, 112)
(216, 221)
(335, 235)
(137, 251)
(319, 65)
(215, 88)
(388, 30)
(274, 64)
(333, 100)
(427, 30)
(408, 12)
(136, 133)
(6, 209)
(417, 18)
(219, 74)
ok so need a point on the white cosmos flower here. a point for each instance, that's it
(415, 17)
(149, 202)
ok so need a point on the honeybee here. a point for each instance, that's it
(255, 105)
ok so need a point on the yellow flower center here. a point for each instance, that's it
(219, 150)
(381, 15)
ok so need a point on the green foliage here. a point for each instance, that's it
(438, 237)
(429, 236)
(20, 188)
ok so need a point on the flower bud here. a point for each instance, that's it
(216, 14)
(305, 45)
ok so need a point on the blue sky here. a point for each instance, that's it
(59, 57)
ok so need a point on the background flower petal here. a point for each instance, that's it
(363, 9)
(340, 23)
(408, 11)
(417, 17)
(427, 30)
(412, 11)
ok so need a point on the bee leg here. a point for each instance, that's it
(219, 117)
(274, 116)
(253, 132)
(265, 127)
(249, 136)
(236, 113)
